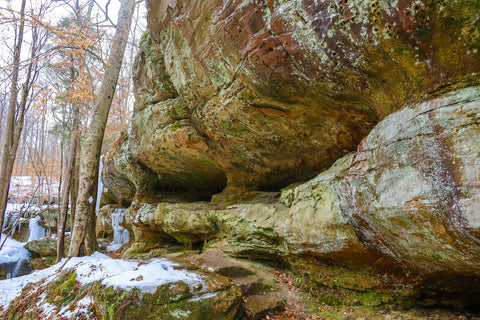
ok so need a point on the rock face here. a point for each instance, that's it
(412, 192)
(255, 95)
(43, 247)
(399, 215)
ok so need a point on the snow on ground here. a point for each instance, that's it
(12, 250)
(118, 273)
(82, 306)
(15, 207)
(27, 186)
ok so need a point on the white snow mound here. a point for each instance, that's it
(126, 274)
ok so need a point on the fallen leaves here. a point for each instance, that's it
(285, 278)
(295, 309)
(291, 314)
(139, 278)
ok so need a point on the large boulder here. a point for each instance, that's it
(412, 193)
(43, 247)
(44, 251)
(257, 95)
(98, 287)
(401, 215)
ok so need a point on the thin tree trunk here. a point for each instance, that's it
(74, 185)
(59, 191)
(8, 155)
(66, 186)
(68, 175)
(84, 225)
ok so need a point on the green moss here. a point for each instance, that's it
(114, 303)
(64, 290)
(169, 302)
(206, 161)
(183, 239)
(175, 125)
(338, 296)
(146, 40)
(330, 300)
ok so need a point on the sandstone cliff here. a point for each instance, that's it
(236, 98)
(255, 95)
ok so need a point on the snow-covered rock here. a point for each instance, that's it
(98, 286)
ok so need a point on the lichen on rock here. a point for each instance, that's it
(257, 95)
(382, 223)
(362, 114)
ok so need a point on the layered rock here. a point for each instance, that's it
(256, 95)
(399, 215)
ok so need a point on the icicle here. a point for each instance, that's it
(100, 186)
(36, 230)
(120, 234)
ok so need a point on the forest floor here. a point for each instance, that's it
(301, 306)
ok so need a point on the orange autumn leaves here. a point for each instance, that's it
(80, 44)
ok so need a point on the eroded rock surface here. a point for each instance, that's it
(399, 215)
(253, 95)
(412, 192)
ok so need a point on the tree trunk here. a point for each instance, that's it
(8, 156)
(84, 225)
(74, 184)
(66, 186)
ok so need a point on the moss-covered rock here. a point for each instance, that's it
(93, 290)
(383, 224)
(171, 301)
(44, 251)
(258, 95)
(43, 247)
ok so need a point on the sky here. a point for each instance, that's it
(59, 9)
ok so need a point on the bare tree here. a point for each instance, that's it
(8, 152)
(18, 107)
(70, 181)
(84, 224)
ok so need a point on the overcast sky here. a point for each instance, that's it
(58, 10)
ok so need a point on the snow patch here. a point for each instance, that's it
(125, 274)
(205, 296)
(180, 314)
(82, 307)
